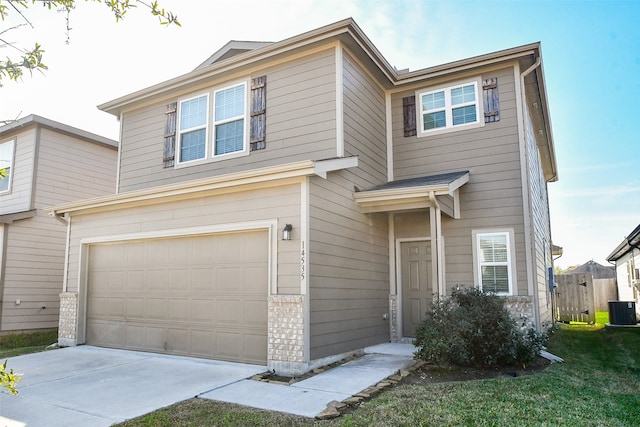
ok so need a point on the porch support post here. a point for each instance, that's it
(436, 244)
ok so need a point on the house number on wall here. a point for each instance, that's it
(302, 262)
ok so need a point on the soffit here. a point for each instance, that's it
(413, 193)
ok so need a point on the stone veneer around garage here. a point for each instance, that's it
(67, 332)
(285, 346)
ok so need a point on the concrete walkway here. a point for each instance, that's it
(91, 386)
(310, 397)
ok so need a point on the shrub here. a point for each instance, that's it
(474, 328)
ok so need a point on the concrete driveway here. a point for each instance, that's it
(91, 386)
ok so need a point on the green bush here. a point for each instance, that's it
(474, 328)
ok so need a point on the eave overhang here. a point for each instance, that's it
(417, 193)
(632, 241)
(203, 187)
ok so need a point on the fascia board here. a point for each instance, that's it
(187, 189)
(321, 167)
(468, 63)
(35, 120)
(326, 33)
(399, 193)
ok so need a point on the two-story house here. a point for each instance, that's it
(42, 162)
(289, 203)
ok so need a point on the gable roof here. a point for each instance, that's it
(236, 56)
(231, 49)
(35, 120)
(632, 241)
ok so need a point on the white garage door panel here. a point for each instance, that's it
(203, 296)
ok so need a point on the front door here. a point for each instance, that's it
(417, 287)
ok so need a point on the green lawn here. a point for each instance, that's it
(598, 385)
(16, 344)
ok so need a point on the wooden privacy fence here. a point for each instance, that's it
(579, 296)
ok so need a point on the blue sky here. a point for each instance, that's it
(591, 58)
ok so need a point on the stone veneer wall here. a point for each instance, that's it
(285, 347)
(394, 319)
(521, 308)
(67, 332)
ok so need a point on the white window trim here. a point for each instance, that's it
(511, 257)
(210, 155)
(477, 82)
(178, 150)
(12, 164)
(245, 117)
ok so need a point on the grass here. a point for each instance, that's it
(16, 344)
(599, 384)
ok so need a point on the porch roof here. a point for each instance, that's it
(439, 190)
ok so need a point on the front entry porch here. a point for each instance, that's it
(416, 245)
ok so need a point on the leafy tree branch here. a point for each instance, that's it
(30, 59)
(8, 379)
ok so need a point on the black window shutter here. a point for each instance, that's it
(169, 152)
(258, 121)
(491, 102)
(409, 113)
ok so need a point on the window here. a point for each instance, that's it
(494, 264)
(229, 120)
(6, 165)
(228, 128)
(193, 128)
(447, 108)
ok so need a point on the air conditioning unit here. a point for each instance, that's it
(622, 313)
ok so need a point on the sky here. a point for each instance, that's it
(591, 60)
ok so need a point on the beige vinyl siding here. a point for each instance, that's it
(19, 198)
(281, 203)
(492, 199)
(300, 116)
(349, 270)
(71, 169)
(539, 205)
(68, 169)
(364, 123)
(33, 270)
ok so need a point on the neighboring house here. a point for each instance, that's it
(42, 162)
(289, 203)
(626, 257)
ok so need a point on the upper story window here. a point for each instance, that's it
(193, 128)
(6, 165)
(226, 110)
(229, 120)
(494, 262)
(447, 108)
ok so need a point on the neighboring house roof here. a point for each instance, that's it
(235, 56)
(598, 271)
(34, 120)
(632, 241)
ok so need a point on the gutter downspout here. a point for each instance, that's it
(65, 219)
(529, 236)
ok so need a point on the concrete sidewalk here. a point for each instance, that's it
(91, 386)
(310, 397)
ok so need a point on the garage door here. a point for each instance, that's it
(203, 296)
